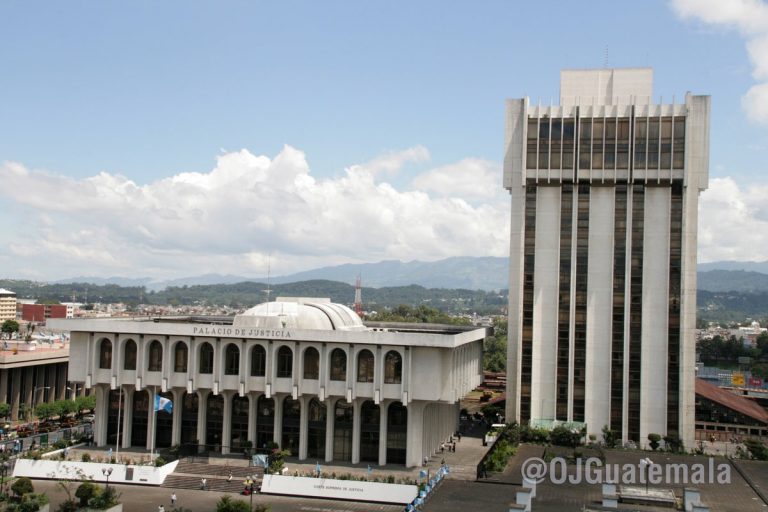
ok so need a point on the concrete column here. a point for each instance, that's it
(100, 415)
(278, 431)
(329, 427)
(383, 410)
(253, 400)
(226, 431)
(61, 381)
(303, 427)
(127, 432)
(414, 446)
(28, 387)
(53, 383)
(151, 419)
(4, 375)
(202, 415)
(178, 396)
(655, 320)
(356, 431)
(15, 392)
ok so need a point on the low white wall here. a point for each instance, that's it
(71, 470)
(339, 489)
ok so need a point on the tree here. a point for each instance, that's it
(83, 403)
(43, 410)
(5, 410)
(9, 327)
(609, 437)
(22, 486)
(85, 492)
(495, 350)
(227, 504)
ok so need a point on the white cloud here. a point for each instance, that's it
(470, 179)
(724, 206)
(248, 207)
(750, 18)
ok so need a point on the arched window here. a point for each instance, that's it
(130, 355)
(311, 363)
(365, 366)
(180, 357)
(155, 357)
(338, 364)
(393, 368)
(232, 360)
(284, 362)
(258, 361)
(206, 358)
(105, 354)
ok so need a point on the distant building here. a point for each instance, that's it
(42, 312)
(602, 299)
(722, 415)
(7, 305)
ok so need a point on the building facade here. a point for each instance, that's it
(604, 192)
(303, 373)
(30, 377)
(42, 312)
(7, 305)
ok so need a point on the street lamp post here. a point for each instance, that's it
(646, 463)
(253, 479)
(5, 467)
(107, 472)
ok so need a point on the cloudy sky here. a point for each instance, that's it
(176, 138)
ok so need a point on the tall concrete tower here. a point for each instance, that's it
(602, 292)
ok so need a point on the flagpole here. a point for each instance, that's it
(119, 410)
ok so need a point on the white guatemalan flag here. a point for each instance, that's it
(163, 404)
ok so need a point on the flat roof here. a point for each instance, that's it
(379, 333)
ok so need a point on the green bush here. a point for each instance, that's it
(104, 499)
(22, 486)
(159, 462)
(85, 492)
(67, 506)
(31, 502)
(563, 436)
(86, 457)
(654, 439)
(610, 437)
(500, 455)
(757, 450)
(227, 504)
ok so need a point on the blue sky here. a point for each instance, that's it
(146, 91)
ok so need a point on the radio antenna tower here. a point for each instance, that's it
(269, 270)
(359, 296)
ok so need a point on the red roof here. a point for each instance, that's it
(732, 401)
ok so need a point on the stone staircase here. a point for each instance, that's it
(188, 475)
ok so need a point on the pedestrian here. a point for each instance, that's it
(230, 477)
(203, 483)
(442, 447)
(458, 436)
(160, 508)
(426, 460)
(173, 499)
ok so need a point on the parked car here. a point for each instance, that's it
(88, 418)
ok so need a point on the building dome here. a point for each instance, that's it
(300, 313)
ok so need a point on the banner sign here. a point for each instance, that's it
(339, 489)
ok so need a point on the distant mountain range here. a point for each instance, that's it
(471, 273)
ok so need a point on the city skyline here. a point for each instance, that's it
(167, 141)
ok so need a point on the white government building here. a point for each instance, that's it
(304, 373)
(602, 305)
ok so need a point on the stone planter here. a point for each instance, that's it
(116, 508)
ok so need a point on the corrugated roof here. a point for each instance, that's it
(732, 401)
